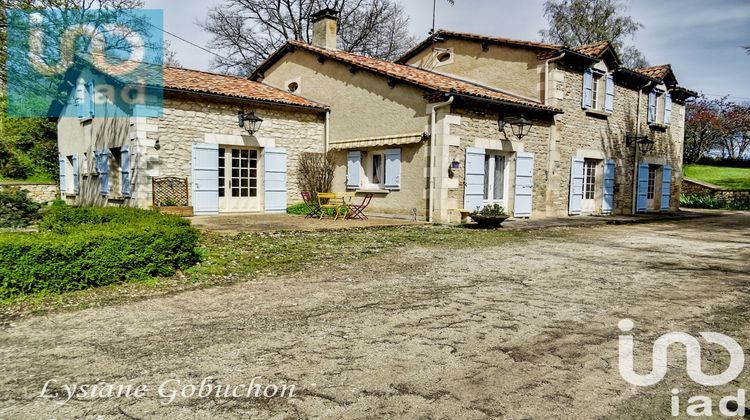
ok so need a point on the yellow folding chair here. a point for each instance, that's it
(330, 201)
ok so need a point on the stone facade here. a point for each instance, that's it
(41, 193)
(187, 121)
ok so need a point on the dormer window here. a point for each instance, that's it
(659, 107)
(443, 57)
(598, 91)
(293, 87)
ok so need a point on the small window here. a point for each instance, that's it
(115, 175)
(597, 100)
(377, 169)
(443, 57)
(293, 87)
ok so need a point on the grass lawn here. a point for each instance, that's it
(731, 178)
(228, 259)
(36, 179)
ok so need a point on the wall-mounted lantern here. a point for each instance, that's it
(250, 122)
(645, 145)
(519, 126)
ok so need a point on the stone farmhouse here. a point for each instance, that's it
(460, 122)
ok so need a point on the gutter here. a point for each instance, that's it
(433, 139)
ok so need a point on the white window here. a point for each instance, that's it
(495, 176)
(597, 99)
(376, 169)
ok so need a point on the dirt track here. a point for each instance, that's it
(520, 330)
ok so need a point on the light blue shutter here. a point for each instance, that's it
(125, 170)
(609, 100)
(652, 107)
(524, 184)
(275, 180)
(588, 88)
(608, 205)
(80, 99)
(63, 184)
(393, 169)
(102, 159)
(642, 191)
(205, 179)
(76, 174)
(667, 109)
(576, 186)
(666, 187)
(353, 170)
(90, 98)
(474, 183)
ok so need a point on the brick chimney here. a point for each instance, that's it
(325, 28)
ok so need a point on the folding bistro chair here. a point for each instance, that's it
(356, 211)
(332, 202)
(312, 205)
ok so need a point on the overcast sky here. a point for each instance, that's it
(702, 39)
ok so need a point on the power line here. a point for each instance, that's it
(728, 96)
(186, 41)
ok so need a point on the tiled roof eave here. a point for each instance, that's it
(245, 99)
(505, 103)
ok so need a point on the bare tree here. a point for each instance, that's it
(579, 22)
(170, 56)
(247, 31)
(316, 172)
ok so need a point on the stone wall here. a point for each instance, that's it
(480, 129)
(187, 121)
(695, 187)
(578, 133)
(41, 193)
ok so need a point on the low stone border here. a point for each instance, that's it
(695, 187)
(40, 192)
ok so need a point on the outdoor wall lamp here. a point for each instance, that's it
(519, 126)
(249, 122)
(644, 143)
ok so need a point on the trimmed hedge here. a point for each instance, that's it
(87, 247)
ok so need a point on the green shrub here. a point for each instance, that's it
(700, 201)
(87, 247)
(16, 208)
(299, 209)
(493, 210)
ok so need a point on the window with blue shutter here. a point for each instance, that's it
(125, 170)
(642, 190)
(609, 99)
(353, 170)
(393, 169)
(575, 202)
(608, 203)
(474, 182)
(80, 99)
(588, 88)
(63, 182)
(275, 180)
(102, 159)
(76, 174)
(666, 188)
(90, 98)
(652, 107)
(667, 109)
(524, 184)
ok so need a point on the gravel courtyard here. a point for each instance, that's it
(526, 329)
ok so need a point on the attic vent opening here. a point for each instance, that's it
(293, 87)
(443, 56)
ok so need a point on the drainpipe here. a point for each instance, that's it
(546, 76)
(433, 139)
(327, 131)
(634, 206)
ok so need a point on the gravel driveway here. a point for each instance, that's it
(524, 329)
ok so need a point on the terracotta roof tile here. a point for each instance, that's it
(230, 86)
(656, 72)
(426, 79)
(594, 50)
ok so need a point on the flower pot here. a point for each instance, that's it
(489, 221)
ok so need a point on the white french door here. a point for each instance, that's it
(588, 204)
(495, 179)
(238, 180)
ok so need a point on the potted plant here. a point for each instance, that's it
(491, 216)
